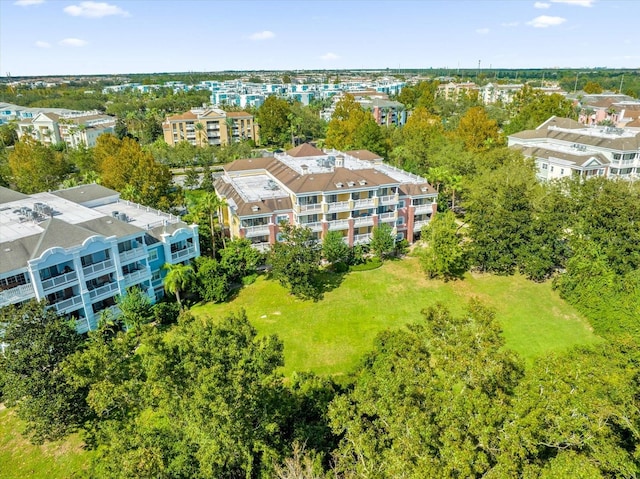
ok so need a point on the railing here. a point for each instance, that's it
(338, 224)
(102, 290)
(63, 306)
(387, 200)
(363, 221)
(313, 207)
(258, 230)
(17, 294)
(97, 267)
(387, 217)
(313, 225)
(419, 224)
(177, 255)
(262, 247)
(132, 253)
(136, 275)
(59, 280)
(425, 208)
(360, 239)
(364, 203)
(82, 325)
(339, 206)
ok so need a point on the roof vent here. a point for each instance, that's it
(339, 185)
(424, 188)
(305, 169)
(351, 183)
(255, 208)
(362, 182)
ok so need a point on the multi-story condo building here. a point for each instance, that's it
(212, 126)
(350, 192)
(562, 147)
(71, 128)
(385, 112)
(495, 92)
(82, 247)
(452, 90)
(10, 112)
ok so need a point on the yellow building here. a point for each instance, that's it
(209, 126)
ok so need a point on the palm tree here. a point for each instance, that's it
(201, 133)
(210, 205)
(178, 278)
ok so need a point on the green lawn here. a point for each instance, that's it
(20, 459)
(330, 336)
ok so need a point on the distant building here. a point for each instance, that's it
(212, 126)
(452, 90)
(499, 93)
(80, 248)
(71, 128)
(350, 192)
(385, 112)
(562, 147)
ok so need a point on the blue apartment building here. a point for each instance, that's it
(80, 248)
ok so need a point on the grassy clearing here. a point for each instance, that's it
(330, 336)
(20, 459)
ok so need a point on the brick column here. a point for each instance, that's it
(351, 232)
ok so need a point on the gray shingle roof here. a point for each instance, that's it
(60, 233)
(85, 193)
(7, 195)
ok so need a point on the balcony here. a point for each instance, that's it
(59, 280)
(311, 208)
(315, 226)
(17, 294)
(82, 325)
(362, 239)
(388, 217)
(368, 203)
(363, 221)
(338, 225)
(106, 289)
(388, 200)
(262, 247)
(136, 276)
(339, 206)
(417, 226)
(182, 254)
(68, 305)
(97, 268)
(259, 230)
(425, 208)
(132, 253)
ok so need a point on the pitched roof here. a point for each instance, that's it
(85, 193)
(560, 123)
(305, 150)
(548, 153)
(364, 155)
(60, 233)
(7, 195)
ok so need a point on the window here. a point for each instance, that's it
(552, 168)
(401, 204)
(562, 171)
(153, 254)
(545, 166)
(282, 219)
(155, 277)
(400, 221)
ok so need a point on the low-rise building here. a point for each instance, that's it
(563, 147)
(350, 192)
(210, 126)
(73, 129)
(80, 248)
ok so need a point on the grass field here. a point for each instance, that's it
(330, 336)
(19, 459)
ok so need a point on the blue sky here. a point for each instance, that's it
(55, 37)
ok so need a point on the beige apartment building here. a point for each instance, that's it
(209, 126)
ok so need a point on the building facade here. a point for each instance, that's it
(209, 126)
(74, 129)
(562, 147)
(82, 247)
(350, 192)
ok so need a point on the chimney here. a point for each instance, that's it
(305, 169)
(339, 161)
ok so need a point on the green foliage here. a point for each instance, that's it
(240, 260)
(178, 279)
(334, 249)
(273, 118)
(36, 167)
(295, 262)
(211, 280)
(369, 264)
(382, 241)
(592, 88)
(477, 130)
(530, 108)
(444, 256)
(136, 308)
(429, 401)
(38, 342)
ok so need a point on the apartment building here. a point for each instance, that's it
(80, 248)
(562, 147)
(73, 128)
(209, 126)
(350, 192)
(453, 91)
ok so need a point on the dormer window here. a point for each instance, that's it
(255, 208)
(424, 189)
(351, 183)
(363, 182)
(339, 185)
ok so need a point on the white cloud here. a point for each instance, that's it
(541, 5)
(482, 31)
(329, 56)
(545, 21)
(26, 3)
(41, 44)
(265, 35)
(95, 10)
(73, 42)
(510, 24)
(578, 3)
